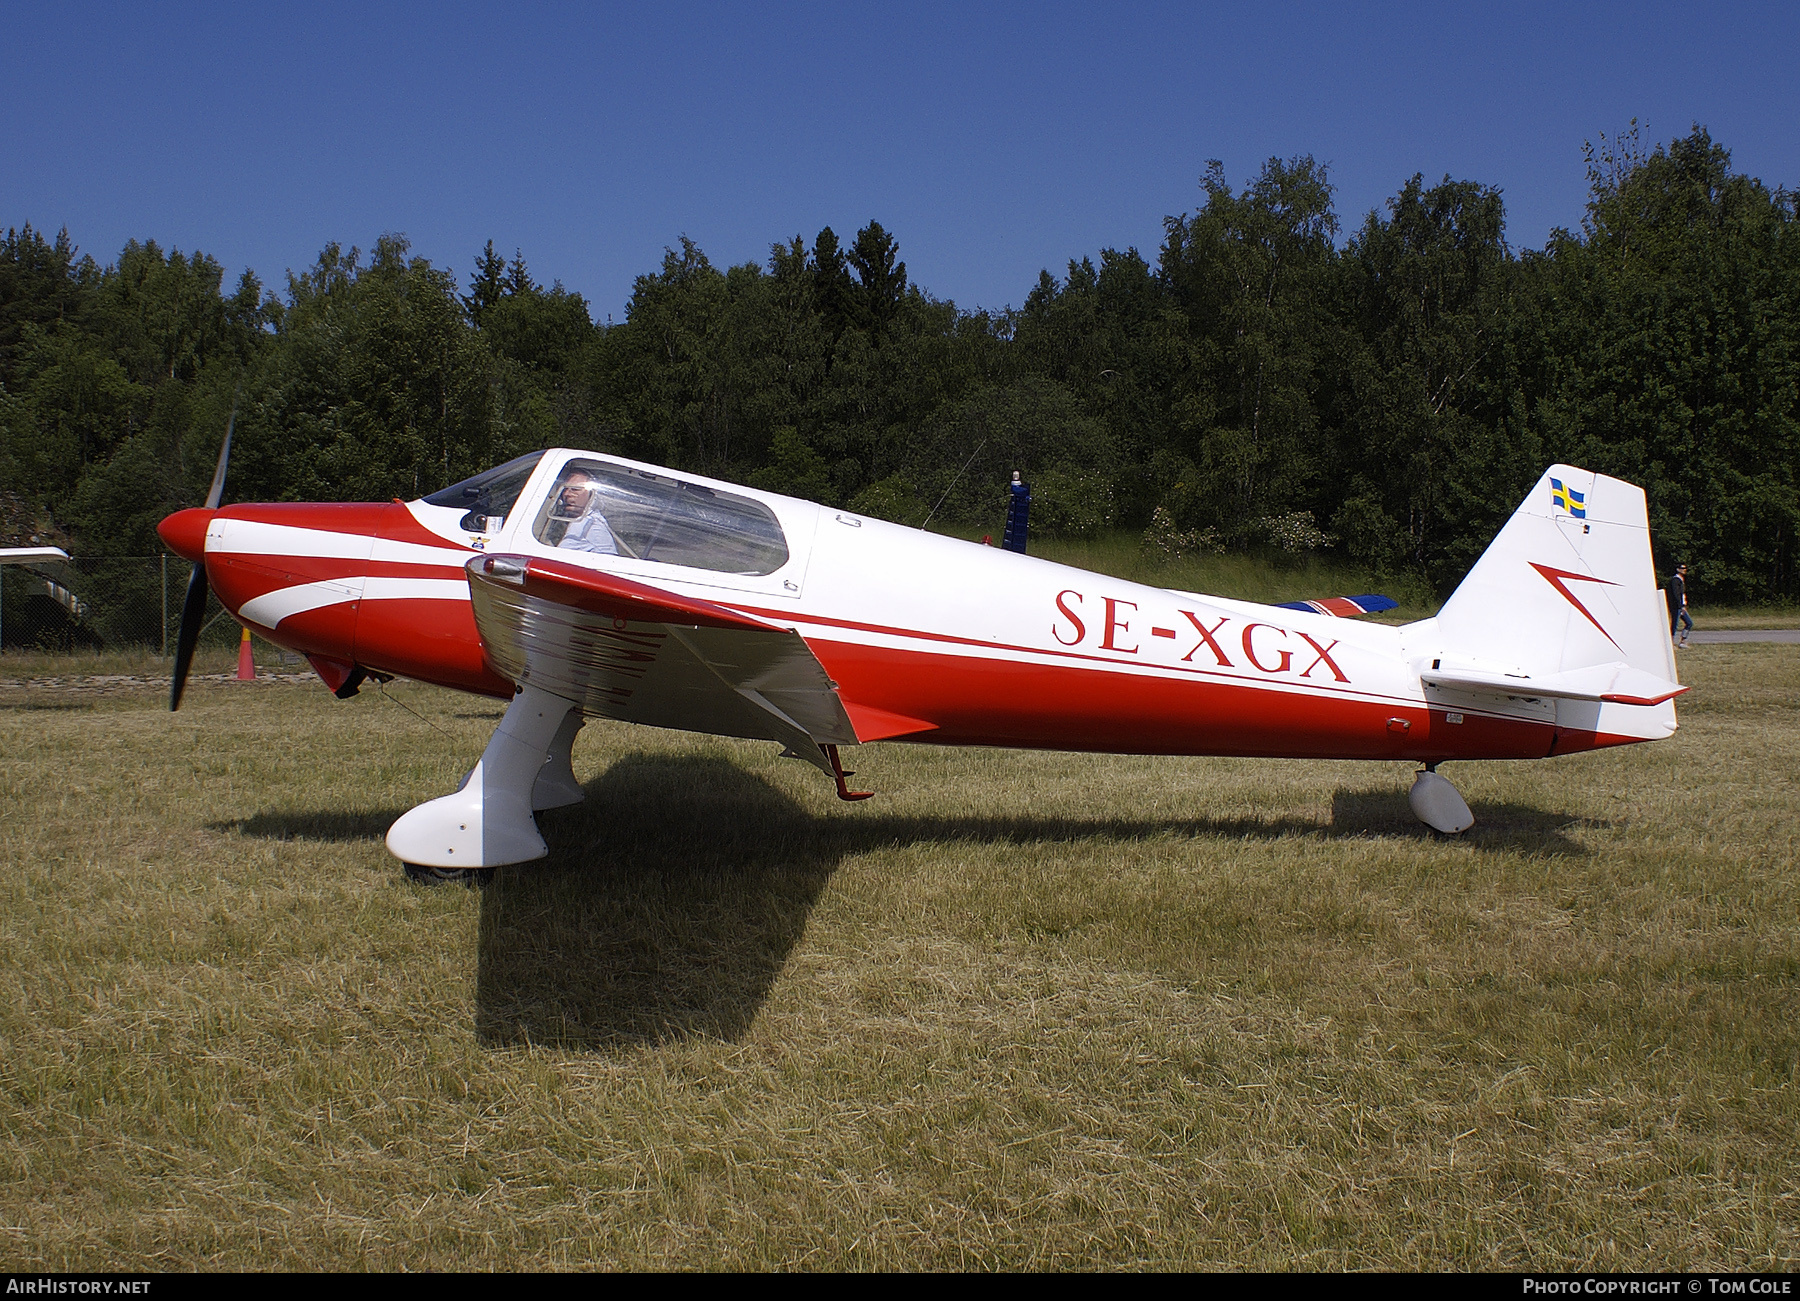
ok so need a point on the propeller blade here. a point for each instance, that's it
(218, 484)
(193, 608)
(193, 614)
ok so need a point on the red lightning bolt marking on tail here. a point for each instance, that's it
(1555, 578)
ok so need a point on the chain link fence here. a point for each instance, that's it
(94, 603)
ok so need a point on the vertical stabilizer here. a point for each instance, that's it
(1564, 603)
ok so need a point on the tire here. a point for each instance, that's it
(469, 877)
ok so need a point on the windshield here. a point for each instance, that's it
(489, 496)
(609, 510)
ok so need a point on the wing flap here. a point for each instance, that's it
(642, 654)
(880, 724)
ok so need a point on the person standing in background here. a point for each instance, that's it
(1680, 622)
(1018, 515)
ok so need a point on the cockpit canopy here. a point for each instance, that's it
(598, 507)
(489, 496)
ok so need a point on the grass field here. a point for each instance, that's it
(1020, 1010)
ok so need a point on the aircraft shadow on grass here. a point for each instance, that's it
(332, 826)
(672, 897)
(1511, 828)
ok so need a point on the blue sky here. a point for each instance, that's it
(992, 140)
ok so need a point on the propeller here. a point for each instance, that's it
(193, 608)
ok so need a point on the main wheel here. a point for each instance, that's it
(471, 877)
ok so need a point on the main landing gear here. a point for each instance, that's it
(488, 820)
(1436, 803)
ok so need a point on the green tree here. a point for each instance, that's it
(1114, 336)
(486, 285)
(1251, 274)
(833, 290)
(41, 284)
(1431, 451)
(1033, 425)
(694, 348)
(378, 386)
(1669, 355)
(541, 330)
(881, 278)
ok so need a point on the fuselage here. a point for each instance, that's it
(934, 639)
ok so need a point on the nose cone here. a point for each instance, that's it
(184, 532)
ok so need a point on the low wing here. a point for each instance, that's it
(26, 555)
(1344, 607)
(626, 650)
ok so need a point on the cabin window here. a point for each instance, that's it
(488, 497)
(610, 510)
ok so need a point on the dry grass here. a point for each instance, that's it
(23, 667)
(1018, 1011)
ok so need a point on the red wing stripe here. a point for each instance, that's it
(618, 598)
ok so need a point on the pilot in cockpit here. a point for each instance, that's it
(577, 514)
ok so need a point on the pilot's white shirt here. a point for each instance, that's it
(590, 533)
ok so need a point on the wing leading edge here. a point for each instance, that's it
(641, 654)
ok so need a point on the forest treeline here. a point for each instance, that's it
(1393, 393)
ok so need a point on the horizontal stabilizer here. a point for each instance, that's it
(1615, 683)
(1343, 607)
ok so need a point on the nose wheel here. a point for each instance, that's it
(472, 878)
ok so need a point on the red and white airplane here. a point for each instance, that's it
(575, 585)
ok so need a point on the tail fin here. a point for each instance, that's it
(1564, 604)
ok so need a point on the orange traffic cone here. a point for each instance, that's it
(246, 661)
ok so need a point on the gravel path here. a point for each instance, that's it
(1790, 635)
(110, 683)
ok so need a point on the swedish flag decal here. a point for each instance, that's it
(1570, 500)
